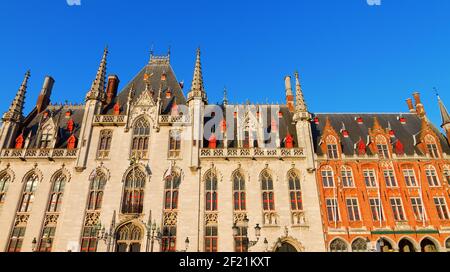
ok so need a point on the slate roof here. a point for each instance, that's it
(155, 70)
(58, 115)
(406, 133)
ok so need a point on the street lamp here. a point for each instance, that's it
(154, 233)
(244, 225)
(103, 235)
(266, 244)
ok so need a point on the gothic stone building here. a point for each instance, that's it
(149, 169)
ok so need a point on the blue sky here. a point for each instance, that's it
(352, 57)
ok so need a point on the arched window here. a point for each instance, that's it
(332, 148)
(432, 148)
(447, 174)
(432, 177)
(239, 191)
(295, 192)
(268, 196)
(104, 145)
(4, 182)
(29, 189)
(211, 192)
(347, 177)
(338, 245)
(359, 245)
(327, 177)
(96, 189)
(133, 195)
(172, 185)
(382, 147)
(56, 193)
(141, 137)
(129, 238)
(447, 244)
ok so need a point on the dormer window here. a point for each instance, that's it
(432, 148)
(332, 149)
(382, 148)
(46, 138)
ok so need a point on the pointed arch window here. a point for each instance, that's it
(104, 145)
(96, 191)
(432, 177)
(133, 195)
(268, 195)
(295, 192)
(347, 177)
(432, 148)
(211, 192)
(172, 186)
(27, 199)
(141, 138)
(239, 195)
(56, 193)
(327, 177)
(5, 179)
(359, 245)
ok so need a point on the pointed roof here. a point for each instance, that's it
(225, 97)
(197, 88)
(300, 100)
(97, 91)
(444, 113)
(15, 112)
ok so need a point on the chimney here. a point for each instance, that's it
(409, 102)
(419, 106)
(46, 92)
(289, 94)
(111, 88)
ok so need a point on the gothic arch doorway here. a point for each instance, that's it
(427, 245)
(406, 246)
(129, 238)
(286, 247)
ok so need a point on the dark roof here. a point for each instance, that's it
(58, 115)
(406, 133)
(155, 70)
(285, 125)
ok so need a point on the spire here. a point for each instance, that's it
(97, 91)
(225, 97)
(300, 101)
(444, 113)
(15, 112)
(197, 88)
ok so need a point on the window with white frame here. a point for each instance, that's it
(332, 148)
(447, 174)
(432, 177)
(376, 209)
(327, 177)
(432, 147)
(397, 209)
(441, 207)
(410, 177)
(389, 178)
(332, 210)
(353, 209)
(382, 148)
(347, 177)
(370, 178)
(416, 203)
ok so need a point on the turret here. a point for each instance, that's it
(445, 118)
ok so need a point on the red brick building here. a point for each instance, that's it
(384, 180)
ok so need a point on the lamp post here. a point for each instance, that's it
(34, 244)
(155, 235)
(103, 235)
(236, 232)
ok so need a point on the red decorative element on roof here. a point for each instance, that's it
(45, 114)
(19, 141)
(163, 77)
(70, 125)
(68, 113)
(399, 148)
(168, 93)
(289, 141)
(360, 120)
(402, 120)
(392, 133)
(280, 114)
(235, 114)
(117, 108)
(316, 120)
(212, 141)
(72, 142)
(345, 133)
(361, 147)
